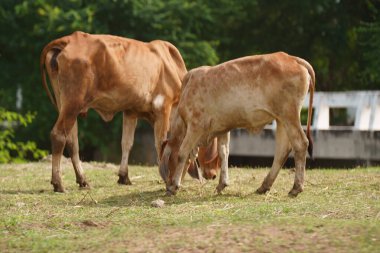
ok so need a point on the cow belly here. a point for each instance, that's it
(107, 104)
(258, 119)
(253, 120)
(106, 116)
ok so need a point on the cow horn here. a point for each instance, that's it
(215, 156)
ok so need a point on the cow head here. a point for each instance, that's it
(209, 162)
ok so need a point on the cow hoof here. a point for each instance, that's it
(84, 185)
(294, 192)
(262, 190)
(221, 187)
(124, 180)
(58, 188)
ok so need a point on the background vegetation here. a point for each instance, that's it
(340, 38)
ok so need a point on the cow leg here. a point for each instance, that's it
(283, 149)
(191, 161)
(129, 126)
(161, 128)
(58, 136)
(223, 152)
(188, 144)
(187, 165)
(299, 143)
(73, 148)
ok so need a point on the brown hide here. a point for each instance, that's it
(109, 74)
(248, 92)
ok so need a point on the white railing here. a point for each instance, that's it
(361, 141)
(365, 103)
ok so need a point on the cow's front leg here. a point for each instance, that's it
(283, 149)
(73, 148)
(58, 137)
(188, 144)
(223, 151)
(161, 128)
(129, 126)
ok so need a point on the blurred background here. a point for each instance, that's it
(340, 38)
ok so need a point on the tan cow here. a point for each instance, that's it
(249, 93)
(109, 74)
(209, 162)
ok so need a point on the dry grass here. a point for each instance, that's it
(338, 212)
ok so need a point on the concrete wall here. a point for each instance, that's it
(360, 142)
(328, 144)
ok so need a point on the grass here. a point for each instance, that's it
(339, 211)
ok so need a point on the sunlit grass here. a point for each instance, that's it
(339, 211)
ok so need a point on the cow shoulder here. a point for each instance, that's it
(170, 54)
(193, 77)
(172, 72)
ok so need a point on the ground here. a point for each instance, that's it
(339, 211)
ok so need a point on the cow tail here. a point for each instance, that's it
(57, 45)
(310, 109)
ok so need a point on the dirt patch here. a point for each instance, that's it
(233, 238)
(91, 224)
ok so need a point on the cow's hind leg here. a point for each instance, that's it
(129, 126)
(283, 149)
(58, 136)
(299, 143)
(223, 152)
(73, 148)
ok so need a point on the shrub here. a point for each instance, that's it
(10, 149)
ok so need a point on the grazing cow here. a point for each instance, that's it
(249, 93)
(109, 74)
(207, 164)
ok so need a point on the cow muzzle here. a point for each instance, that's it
(171, 190)
(209, 174)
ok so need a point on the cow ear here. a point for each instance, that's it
(195, 171)
(192, 170)
(164, 163)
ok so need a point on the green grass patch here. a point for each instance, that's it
(339, 211)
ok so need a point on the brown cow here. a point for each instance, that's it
(249, 93)
(209, 162)
(109, 74)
